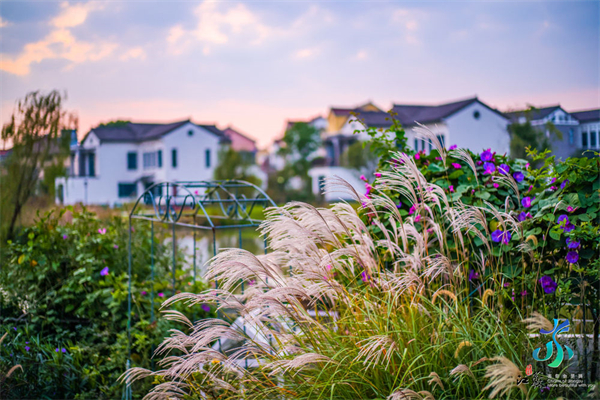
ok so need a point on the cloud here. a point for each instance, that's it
(361, 55)
(59, 43)
(217, 25)
(3, 23)
(133, 53)
(306, 53)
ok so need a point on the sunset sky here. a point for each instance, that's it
(255, 64)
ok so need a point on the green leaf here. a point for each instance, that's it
(555, 234)
(482, 195)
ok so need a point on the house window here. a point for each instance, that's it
(430, 145)
(593, 142)
(149, 160)
(190, 133)
(584, 140)
(571, 136)
(423, 144)
(476, 114)
(91, 164)
(416, 144)
(207, 158)
(321, 183)
(127, 190)
(132, 160)
(159, 157)
(442, 140)
(174, 158)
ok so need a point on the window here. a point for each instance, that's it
(584, 140)
(91, 164)
(127, 190)
(159, 157)
(476, 114)
(593, 142)
(571, 136)
(321, 183)
(430, 145)
(174, 158)
(416, 144)
(132, 160)
(190, 133)
(149, 160)
(207, 157)
(442, 140)
(423, 144)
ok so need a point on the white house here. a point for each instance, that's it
(468, 123)
(114, 164)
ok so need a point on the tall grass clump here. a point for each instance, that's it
(363, 304)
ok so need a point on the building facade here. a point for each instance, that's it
(115, 164)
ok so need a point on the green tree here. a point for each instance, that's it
(235, 165)
(35, 133)
(360, 157)
(525, 135)
(301, 141)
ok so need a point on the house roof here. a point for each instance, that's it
(586, 115)
(533, 114)
(140, 132)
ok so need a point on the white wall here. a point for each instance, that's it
(489, 131)
(350, 176)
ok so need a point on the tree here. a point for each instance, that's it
(35, 132)
(360, 157)
(301, 141)
(235, 165)
(524, 135)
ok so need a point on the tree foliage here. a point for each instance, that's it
(525, 136)
(35, 133)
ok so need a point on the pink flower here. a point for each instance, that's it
(362, 178)
(451, 188)
(116, 246)
(570, 209)
(65, 237)
(329, 267)
(438, 158)
(456, 165)
(378, 174)
(104, 271)
(530, 188)
(527, 166)
(496, 185)
(417, 218)
(453, 147)
(196, 192)
(417, 156)
(144, 293)
(161, 294)
(252, 282)
(102, 231)
(412, 209)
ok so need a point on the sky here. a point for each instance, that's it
(255, 64)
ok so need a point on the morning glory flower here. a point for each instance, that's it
(569, 227)
(104, 271)
(453, 147)
(417, 218)
(205, 307)
(27, 348)
(548, 284)
(144, 293)
(488, 168)
(496, 185)
(522, 216)
(501, 236)
(504, 169)
(399, 205)
(572, 244)
(570, 209)
(526, 202)
(451, 188)
(563, 218)
(473, 275)
(564, 183)
(572, 257)
(518, 176)
(161, 294)
(417, 156)
(365, 277)
(362, 178)
(102, 231)
(65, 237)
(378, 174)
(456, 165)
(486, 155)
(412, 209)
(63, 350)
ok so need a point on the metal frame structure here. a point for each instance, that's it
(199, 206)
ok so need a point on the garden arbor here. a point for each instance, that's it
(202, 207)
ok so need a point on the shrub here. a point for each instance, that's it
(65, 286)
(409, 300)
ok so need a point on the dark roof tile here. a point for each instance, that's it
(587, 115)
(140, 132)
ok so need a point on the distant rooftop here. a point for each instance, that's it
(140, 132)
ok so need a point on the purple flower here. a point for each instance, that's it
(417, 218)
(473, 275)
(526, 202)
(506, 284)
(399, 205)
(412, 209)
(572, 244)
(496, 185)
(489, 168)
(65, 237)
(524, 293)
(572, 257)
(453, 147)
(456, 165)
(552, 188)
(104, 271)
(564, 183)
(570, 209)
(161, 294)
(553, 180)
(27, 348)
(487, 155)
(63, 350)
(116, 246)
(57, 350)
(102, 231)
(563, 218)
(501, 236)
(144, 293)
(569, 227)
(205, 307)
(518, 176)
(548, 284)
(15, 328)
(522, 216)
(504, 169)
(365, 277)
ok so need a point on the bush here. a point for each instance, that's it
(64, 305)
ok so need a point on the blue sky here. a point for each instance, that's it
(255, 64)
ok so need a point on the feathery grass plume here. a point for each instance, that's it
(3, 336)
(461, 345)
(376, 349)
(486, 295)
(405, 394)
(503, 377)
(444, 292)
(10, 371)
(509, 181)
(435, 380)
(533, 239)
(460, 370)
(537, 321)
(422, 132)
(464, 155)
(426, 395)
